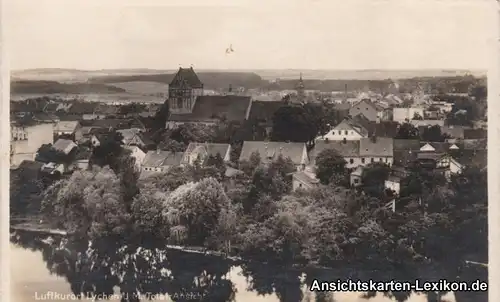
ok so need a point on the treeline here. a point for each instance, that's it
(211, 80)
(52, 87)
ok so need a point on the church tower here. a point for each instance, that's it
(301, 95)
(183, 91)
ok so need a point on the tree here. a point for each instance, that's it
(187, 133)
(109, 151)
(46, 153)
(329, 163)
(373, 179)
(407, 131)
(293, 123)
(160, 119)
(88, 204)
(433, 134)
(417, 116)
(199, 213)
(172, 145)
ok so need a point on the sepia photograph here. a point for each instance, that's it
(220, 151)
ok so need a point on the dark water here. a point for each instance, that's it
(55, 269)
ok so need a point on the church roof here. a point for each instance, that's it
(186, 76)
(231, 107)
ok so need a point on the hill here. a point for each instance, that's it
(53, 87)
(211, 80)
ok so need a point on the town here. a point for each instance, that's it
(397, 129)
(394, 173)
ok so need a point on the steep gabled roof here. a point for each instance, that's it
(211, 149)
(161, 158)
(344, 148)
(187, 77)
(376, 146)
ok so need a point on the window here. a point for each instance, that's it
(300, 185)
(333, 132)
(381, 159)
(351, 161)
(363, 160)
(179, 103)
(373, 160)
(356, 180)
(345, 132)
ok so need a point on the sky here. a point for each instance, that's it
(265, 34)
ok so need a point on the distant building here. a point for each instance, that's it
(183, 91)
(349, 129)
(427, 123)
(402, 115)
(26, 140)
(70, 128)
(367, 108)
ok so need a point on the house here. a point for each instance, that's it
(132, 137)
(71, 128)
(202, 151)
(356, 176)
(393, 182)
(437, 147)
(43, 117)
(475, 134)
(187, 103)
(427, 123)
(457, 132)
(376, 149)
(405, 151)
(87, 110)
(351, 128)
(473, 144)
(137, 154)
(270, 151)
(402, 115)
(349, 150)
(160, 161)
(25, 141)
(450, 165)
(53, 168)
(98, 136)
(304, 180)
(82, 158)
(64, 145)
(365, 107)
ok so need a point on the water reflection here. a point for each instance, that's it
(100, 271)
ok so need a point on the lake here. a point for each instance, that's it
(41, 271)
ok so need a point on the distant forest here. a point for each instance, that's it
(218, 80)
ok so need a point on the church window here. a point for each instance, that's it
(179, 103)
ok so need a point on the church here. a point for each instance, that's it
(188, 104)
